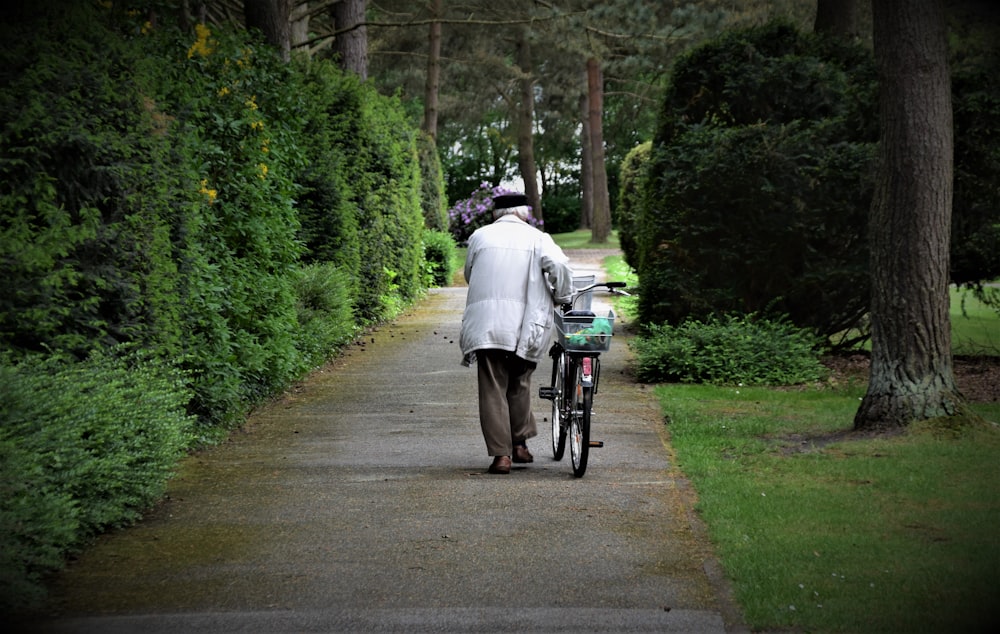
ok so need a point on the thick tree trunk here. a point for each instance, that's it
(912, 377)
(351, 42)
(525, 128)
(272, 18)
(433, 80)
(601, 225)
(586, 164)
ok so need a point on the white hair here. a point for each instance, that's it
(523, 212)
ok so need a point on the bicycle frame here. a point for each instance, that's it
(575, 376)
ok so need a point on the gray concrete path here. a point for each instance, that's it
(360, 502)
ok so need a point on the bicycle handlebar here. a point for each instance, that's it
(612, 287)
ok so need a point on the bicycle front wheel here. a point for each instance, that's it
(579, 431)
(559, 407)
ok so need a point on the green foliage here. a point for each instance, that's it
(85, 446)
(374, 150)
(325, 314)
(85, 250)
(561, 206)
(630, 200)
(731, 350)
(433, 200)
(440, 254)
(975, 251)
(760, 182)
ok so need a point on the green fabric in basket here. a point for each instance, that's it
(600, 328)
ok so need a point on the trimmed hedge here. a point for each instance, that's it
(186, 194)
(759, 183)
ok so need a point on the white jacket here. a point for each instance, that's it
(516, 275)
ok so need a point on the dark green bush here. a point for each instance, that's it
(630, 201)
(760, 182)
(731, 350)
(86, 446)
(440, 253)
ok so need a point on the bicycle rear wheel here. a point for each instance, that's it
(579, 430)
(559, 407)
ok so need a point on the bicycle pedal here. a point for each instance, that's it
(596, 443)
(548, 393)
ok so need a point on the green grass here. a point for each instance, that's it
(823, 533)
(580, 239)
(975, 327)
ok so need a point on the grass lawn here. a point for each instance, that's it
(822, 532)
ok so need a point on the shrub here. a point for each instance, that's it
(629, 211)
(760, 180)
(732, 350)
(476, 211)
(325, 315)
(85, 446)
(439, 252)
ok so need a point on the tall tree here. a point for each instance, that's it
(586, 163)
(601, 223)
(526, 124)
(912, 377)
(350, 43)
(272, 18)
(432, 84)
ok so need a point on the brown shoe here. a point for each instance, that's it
(521, 454)
(501, 464)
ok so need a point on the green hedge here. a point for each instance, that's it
(759, 183)
(188, 195)
(84, 446)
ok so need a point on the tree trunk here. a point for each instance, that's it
(350, 44)
(586, 164)
(601, 225)
(299, 21)
(912, 377)
(432, 83)
(525, 127)
(838, 17)
(272, 18)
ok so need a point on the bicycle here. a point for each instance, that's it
(581, 336)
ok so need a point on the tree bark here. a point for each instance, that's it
(586, 164)
(272, 18)
(601, 225)
(299, 25)
(350, 44)
(838, 17)
(432, 83)
(525, 127)
(912, 376)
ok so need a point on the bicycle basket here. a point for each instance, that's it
(585, 333)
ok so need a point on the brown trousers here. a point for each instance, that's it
(504, 400)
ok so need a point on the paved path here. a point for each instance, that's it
(360, 503)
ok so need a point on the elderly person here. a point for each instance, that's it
(516, 275)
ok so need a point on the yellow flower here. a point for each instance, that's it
(147, 28)
(209, 193)
(257, 125)
(263, 170)
(223, 91)
(202, 45)
(252, 102)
